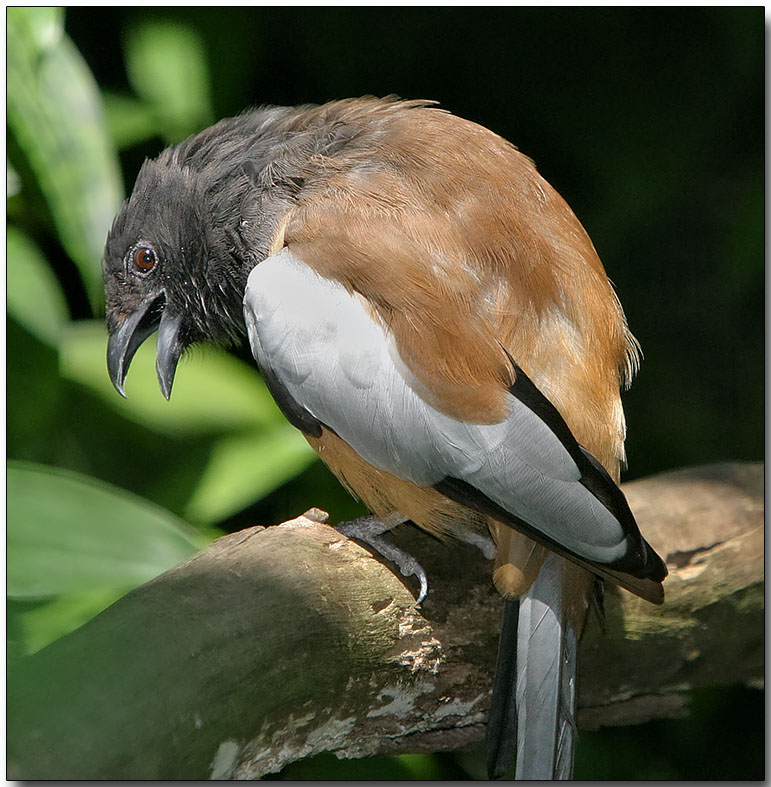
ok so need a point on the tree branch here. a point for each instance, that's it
(278, 643)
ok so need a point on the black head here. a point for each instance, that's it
(181, 248)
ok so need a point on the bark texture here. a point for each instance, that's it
(278, 643)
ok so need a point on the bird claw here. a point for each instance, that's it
(370, 530)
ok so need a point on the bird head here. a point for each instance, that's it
(179, 253)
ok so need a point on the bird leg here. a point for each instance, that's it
(370, 531)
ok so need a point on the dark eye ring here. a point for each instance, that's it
(144, 259)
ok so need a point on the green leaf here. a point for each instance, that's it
(34, 296)
(12, 181)
(167, 66)
(45, 24)
(55, 113)
(246, 467)
(69, 534)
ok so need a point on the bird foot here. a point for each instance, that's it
(370, 530)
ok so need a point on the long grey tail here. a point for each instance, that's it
(534, 692)
(546, 678)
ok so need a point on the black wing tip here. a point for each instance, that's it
(654, 594)
(656, 568)
(640, 560)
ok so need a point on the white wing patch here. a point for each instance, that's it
(338, 363)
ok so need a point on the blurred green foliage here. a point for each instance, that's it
(649, 121)
(221, 443)
(55, 115)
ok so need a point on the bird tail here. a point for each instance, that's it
(534, 693)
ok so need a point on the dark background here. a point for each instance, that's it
(650, 122)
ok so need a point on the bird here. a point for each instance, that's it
(432, 316)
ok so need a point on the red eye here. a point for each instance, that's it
(144, 258)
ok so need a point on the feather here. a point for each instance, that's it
(547, 641)
(502, 716)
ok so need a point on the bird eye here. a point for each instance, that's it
(144, 258)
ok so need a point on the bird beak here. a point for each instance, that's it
(168, 350)
(138, 326)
